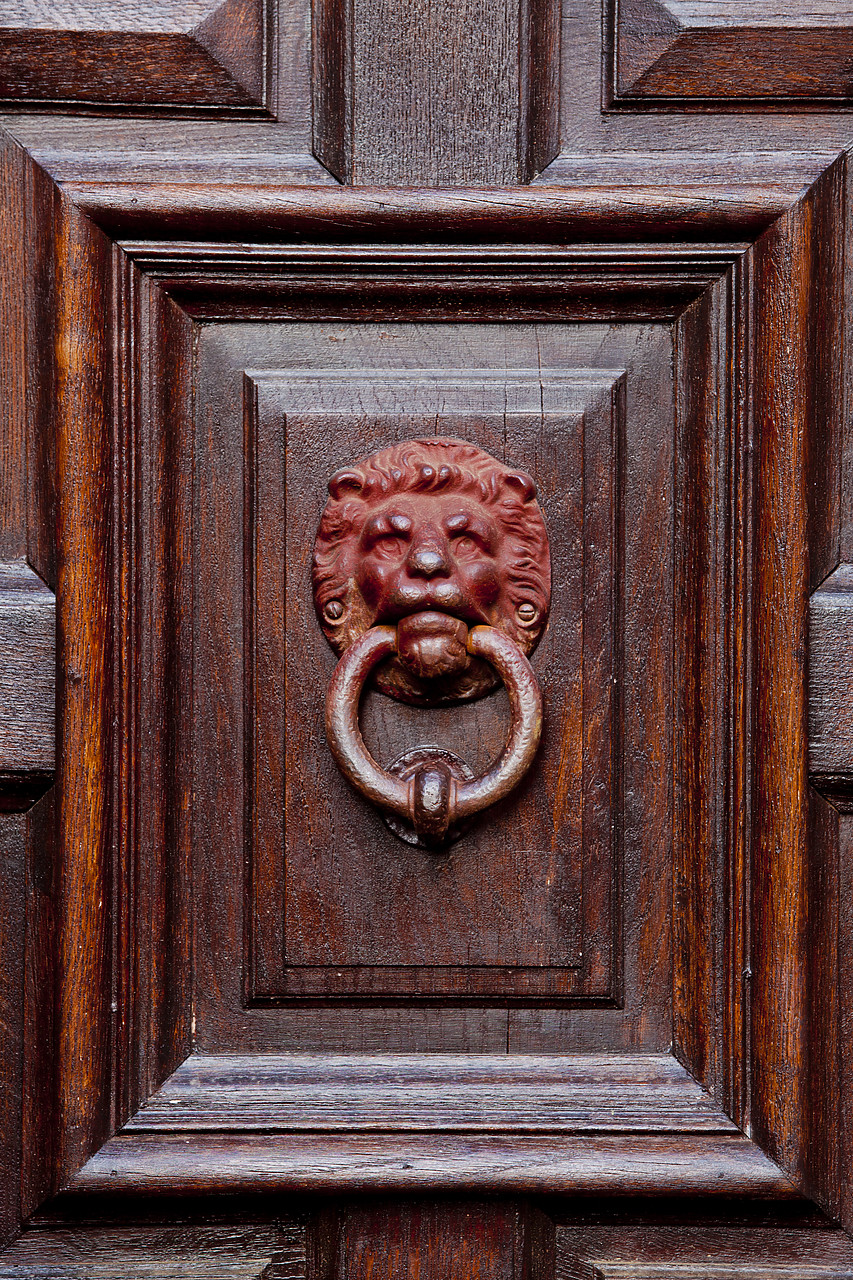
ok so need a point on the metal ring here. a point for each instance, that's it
(433, 800)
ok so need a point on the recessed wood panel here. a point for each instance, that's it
(341, 906)
(730, 53)
(723, 420)
(158, 55)
(618, 936)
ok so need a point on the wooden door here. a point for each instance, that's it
(245, 1029)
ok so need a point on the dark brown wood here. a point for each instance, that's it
(225, 980)
(221, 1252)
(795, 389)
(702, 210)
(186, 54)
(13, 851)
(653, 1251)
(414, 106)
(299, 944)
(680, 51)
(435, 1241)
(394, 1164)
(728, 1163)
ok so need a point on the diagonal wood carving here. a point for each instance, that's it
(184, 55)
(725, 53)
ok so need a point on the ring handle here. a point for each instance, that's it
(433, 800)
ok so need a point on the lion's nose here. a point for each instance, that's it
(428, 561)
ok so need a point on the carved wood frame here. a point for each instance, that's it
(115, 277)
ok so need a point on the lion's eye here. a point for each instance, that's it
(389, 545)
(465, 545)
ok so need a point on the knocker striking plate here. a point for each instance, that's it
(432, 579)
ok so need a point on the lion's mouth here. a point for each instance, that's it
(443, 597)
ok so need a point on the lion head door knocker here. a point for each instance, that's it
(432, 576)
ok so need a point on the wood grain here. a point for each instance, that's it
(680, 51)
(221, 1252)
(830, 701)
(737, 208)
(335, 893)
(223, 1022)
(142, 1164)
(430, 1093)
(703, 1251)
(793, 389)
(434, 1241)
(724, 423)
(178, 55)
(27, 685)
(417, 107)
(83, 409)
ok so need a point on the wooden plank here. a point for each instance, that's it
(83, 423)
(730, 209)
(159, 1252)
(160, 53)
(793, 403)
(682, 1250)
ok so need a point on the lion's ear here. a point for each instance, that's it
(523, 484)
(345, 480)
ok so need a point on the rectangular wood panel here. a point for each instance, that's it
(170, 55)
(731, 54)
(341, 905)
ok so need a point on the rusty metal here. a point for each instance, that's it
(432, 799)
(432, 578)
(432, 527)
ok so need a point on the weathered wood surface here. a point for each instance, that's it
(471, 1092)
(417, 106)
(656, 1250)
(266, 1251)
(27, 685)
(396, 1164)
(831, 685)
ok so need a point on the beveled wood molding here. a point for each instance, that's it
(27, 686)
(652, 1252)
(739, 208)
(831, 687)
(757, 408)
(463, 1121)
(179, 57)
(666, 53)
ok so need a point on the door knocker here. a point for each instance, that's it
(432, 579)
